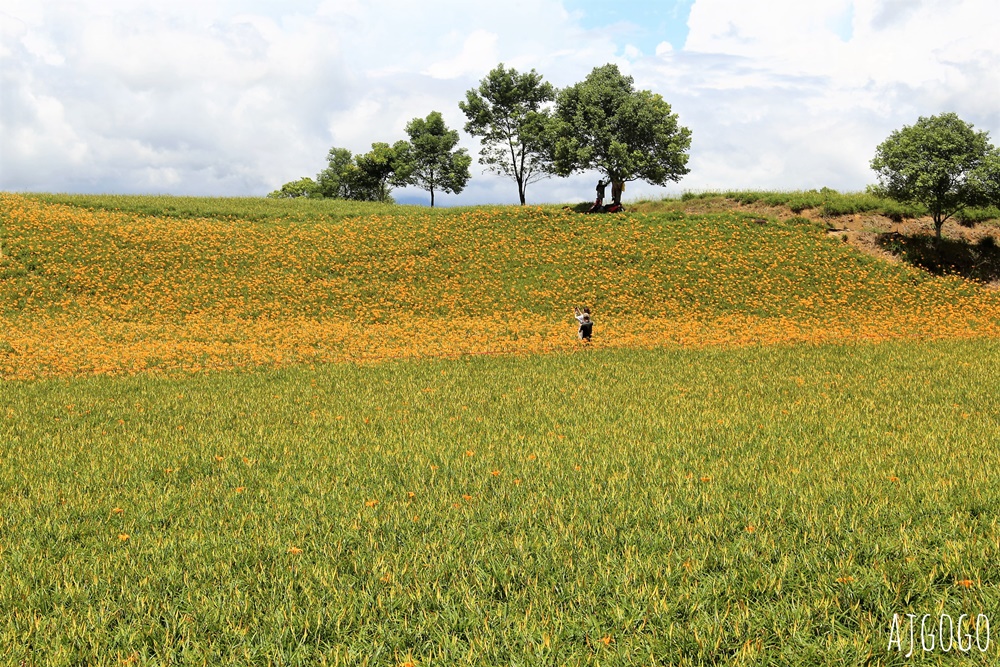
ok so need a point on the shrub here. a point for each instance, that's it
(972, 216)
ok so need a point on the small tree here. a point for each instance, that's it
(361, 177)
(337, 181)
(430, 161)
(940, 162)
(507, 112)
(381, 168)
(304, 187)
(603, 123)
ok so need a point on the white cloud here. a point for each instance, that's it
(631, 52)
(41, 47)
(479, 54)
(780, 99)
(232, 97)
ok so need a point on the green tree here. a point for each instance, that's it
(940, 162)
(381, 168)
(339, 179)
(431, 160)
(507, 112)
(304, 187)
(603, 123)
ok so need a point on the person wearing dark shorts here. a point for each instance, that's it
(586, 329)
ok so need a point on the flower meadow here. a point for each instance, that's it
(248, 432)
(94, 290)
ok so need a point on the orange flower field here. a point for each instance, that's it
(98, 291)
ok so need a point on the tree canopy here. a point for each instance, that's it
(367, 177)
(507, 112)
(431, 160)
(940, 162)
(603, 123)
(338, 180)
(304, 187)
(381, 168)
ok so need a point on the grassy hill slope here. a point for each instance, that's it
(103, 286)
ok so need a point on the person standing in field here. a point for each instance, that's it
(599, 202)
(586, 324)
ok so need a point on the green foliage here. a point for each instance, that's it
(344, 179)
(979, 262)
(335, 182)
(367, 177)
(431, 161)
(304, 187)
(942, 163)
(507, 112)
(381, 168)
(603, 123)
(975, 215)
(760, 506)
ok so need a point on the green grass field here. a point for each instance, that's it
(556, 501)
(704, 504)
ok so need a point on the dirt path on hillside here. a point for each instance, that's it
(868, 232)
(864, 230)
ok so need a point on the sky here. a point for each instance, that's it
(235, 98)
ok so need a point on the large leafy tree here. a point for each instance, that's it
(508, 112)
(603, 123)
(431, 160)
(940, 162)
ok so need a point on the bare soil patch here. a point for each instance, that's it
(970, 251)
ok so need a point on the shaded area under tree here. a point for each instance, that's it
(979, 260)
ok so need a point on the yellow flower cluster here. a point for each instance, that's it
(102, 292)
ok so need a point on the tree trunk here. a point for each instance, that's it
(432, 197)
(518, 169)
(616, 190)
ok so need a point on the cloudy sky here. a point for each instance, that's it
(236, 97)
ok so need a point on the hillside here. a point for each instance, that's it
(130, 284)
(879, 227)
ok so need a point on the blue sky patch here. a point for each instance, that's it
(843, 25)
(655, 21)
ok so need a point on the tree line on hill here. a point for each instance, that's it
(529, 130)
